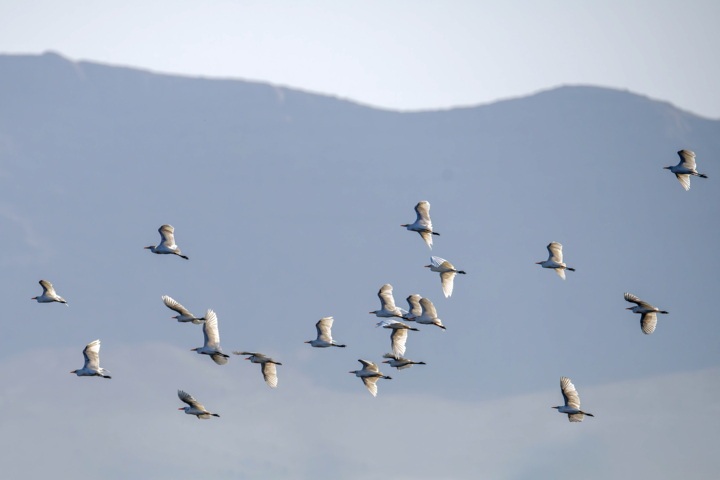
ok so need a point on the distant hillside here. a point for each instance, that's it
(289, 205)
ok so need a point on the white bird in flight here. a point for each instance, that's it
(212, 340)
(648, 318)
(184, 314)
(447, 273)
(398, 336)
(422, 224)
(194, 407)
(429, 314)
(92, 368)
(324, 334)
(399, 362)
(415, 309)
(685, 168)
(370, 373)
(167, 242)
(267, 366)
(387, 303)
(48, 295)
(555, 260)
(572, 402)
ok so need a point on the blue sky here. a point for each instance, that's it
(400, 54)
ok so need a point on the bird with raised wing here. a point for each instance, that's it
(324, 334)
(648, 313)
(572, 402)
(422, 223)
(400, 363)
(555, 260)
(48, 295)
(685, 168)
(211, 346)
(194, 407)
(184, 314)
(167, 242)
(387, 303)
(370, 373)
(415, 309)
(447, 273)
(398, 335)
(267, 366)
(92, 367)
(428, 315)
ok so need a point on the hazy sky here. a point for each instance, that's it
(401, 54)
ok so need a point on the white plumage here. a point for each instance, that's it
(194, 407)
(398, 335)
(49, 295)
(370, 373)
(447, 273)
(422, 224)
(92, 367)
(648, 313)
(211, 334)
(184, 315)
(387, 303)
(324, 334)
(267, 366)
(685, 168)
(555, 259)
(572, 402)
(167, 242)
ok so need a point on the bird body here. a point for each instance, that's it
(399, 362)
(648, 313)
(428, 315)
(184, 314)
(685, 168)
(398, 336)
(211, 345)
(422, 224)
(324, 334)
(555, 260)
(447, 273)
(387, 303)
(370, 373)
(267, 366)
(194, 407)
(415, 309)
(92, 367)
(167, 243)
(572, 402)
(48, 295)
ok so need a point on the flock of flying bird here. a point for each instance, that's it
(421, 311)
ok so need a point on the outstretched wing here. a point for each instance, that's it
(167, 236)
(387, 302)
(555, 251)
(687, 159)
(648, 322)
(92, 355)
(187, 398)
(447, 279)
(398, 338)
(269, 372)
(634, 299)
(172, 304)
(210, 330)
(570, 395)
(324, 327)
(47, 288)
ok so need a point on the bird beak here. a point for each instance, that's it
(427, 266)
(181, 408)
(307, 341)
(629, 308)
